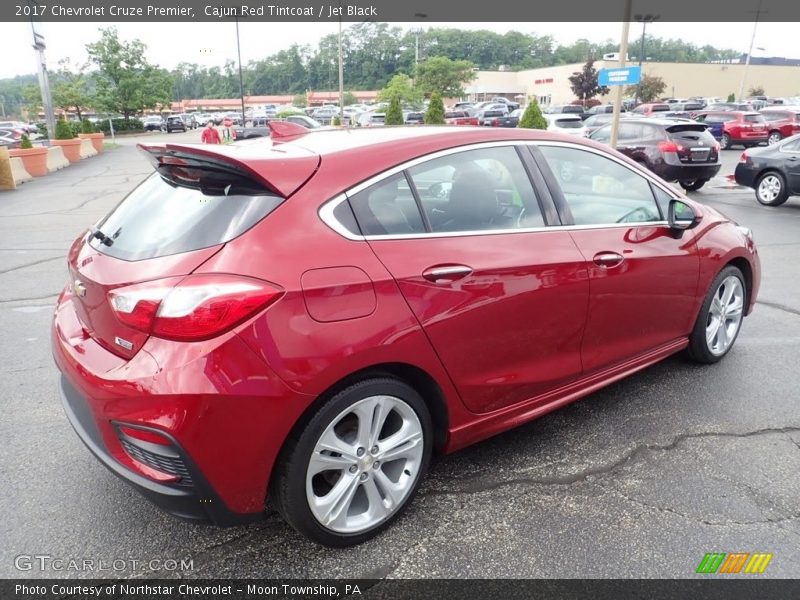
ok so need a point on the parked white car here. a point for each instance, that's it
(570, 124)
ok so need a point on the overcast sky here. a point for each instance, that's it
(212, 43)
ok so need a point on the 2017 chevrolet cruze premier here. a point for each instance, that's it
(301, 322)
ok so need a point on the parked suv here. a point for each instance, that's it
(190, 120)
(674, 149)
(739, 127)
(175, 123)
(649, 109)
(781, 123)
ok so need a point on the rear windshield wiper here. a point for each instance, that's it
(99, 235)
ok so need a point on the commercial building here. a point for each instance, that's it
(550, 85)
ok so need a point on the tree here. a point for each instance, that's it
(443, 75)
(757, 90)
(650, 88)
(584, 82)
(400, 87)
(126, 83)
(435, 113)
(394, 114)
(731, 97)
(71, 92)
(532, 117)
(349, 98)
(300, 101)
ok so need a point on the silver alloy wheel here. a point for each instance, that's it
(365, 464)
(725, 315)
(769, 188)
(774, 138)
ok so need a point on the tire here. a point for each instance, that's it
(724, 304)
(771, 189)
(366, 482)
(693, 185)
(774, 138)
(725, 142)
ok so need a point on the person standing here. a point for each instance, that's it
(228, 134)
(210, 134)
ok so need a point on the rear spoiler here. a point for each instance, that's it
(279, 172)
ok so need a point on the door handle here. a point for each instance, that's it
(608, 260)
(445, 274)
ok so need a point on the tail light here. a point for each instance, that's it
(198, 307)
(670, 147)
(744, 158)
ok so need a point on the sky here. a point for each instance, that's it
(213, 43)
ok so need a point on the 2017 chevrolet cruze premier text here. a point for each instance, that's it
(301, 322)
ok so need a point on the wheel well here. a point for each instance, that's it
(418, 379)
(747, 271)
(770, 170)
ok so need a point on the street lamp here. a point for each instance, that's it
(749, 52)
(239, 51)
(644, 20)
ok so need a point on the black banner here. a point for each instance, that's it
(742, 587)
(421, 11)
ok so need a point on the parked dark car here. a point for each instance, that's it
(189, 119)
(415, 118)
(509, 120)
(675, 150)
(153, 123)
(739, 127)
(781, 123)
(487, 116)
(302, 325)
(773, 172)
(175, 123)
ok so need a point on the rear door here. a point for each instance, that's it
(502, 299)
(642, 278)
(791, 159)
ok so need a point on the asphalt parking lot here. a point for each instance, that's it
(639, 480)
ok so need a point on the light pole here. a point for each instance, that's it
(750, 51)
(341, 71)
(239, 51)
(644, 20)
(623, 57)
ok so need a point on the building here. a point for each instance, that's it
(550, 85)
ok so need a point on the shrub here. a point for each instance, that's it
(25, 142)
(87, 126)
(42, 127)
(121, 125)
(64, 130)
(532, 117)
(394, 114)
(731, 97)
(288, 113)
(435, 113)
(337, 121)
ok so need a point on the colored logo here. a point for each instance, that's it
(734, 562)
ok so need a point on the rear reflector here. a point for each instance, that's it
(198, 307)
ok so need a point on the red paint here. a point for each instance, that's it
(535, 320)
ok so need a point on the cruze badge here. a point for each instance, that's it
(79, 288)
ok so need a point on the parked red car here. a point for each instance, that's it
(303, 321)
(781, 122)
(650, 109)
(739, 127)
(459, 117)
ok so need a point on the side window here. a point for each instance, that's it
(602, 135)
(477, 190)
(791, 146)
(387, 208)
(599, 190)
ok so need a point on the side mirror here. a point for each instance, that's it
(681, 216)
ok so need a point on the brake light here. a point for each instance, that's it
(744, 158)
(670, 147)
(198, 307)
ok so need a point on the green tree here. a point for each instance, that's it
(584, 82)
(394, 114)
(650, 88)
(532, 117)
(349, 98)
(756, 90)
(731, 97)
(400, 87)
(126, 83)
(300, 101)
(64, 130)
(71, 91)
(435, 113)
(32, 100)
(443, 75)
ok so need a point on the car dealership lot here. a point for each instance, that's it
(640, 479)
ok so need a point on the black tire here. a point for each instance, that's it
(698, 349)
(725, 142)
(782, 195)
(693, 185)
(288, 486)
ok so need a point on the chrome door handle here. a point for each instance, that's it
(607, 259)
(447, 273)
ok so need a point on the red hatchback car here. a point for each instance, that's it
(303, 321)
(739, 127)
(782, 122)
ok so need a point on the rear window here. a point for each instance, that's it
(754, 119)
(569, 123)
(159, 218)
(661, 108)
(572, 109)
(686, 127)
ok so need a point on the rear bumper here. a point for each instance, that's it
(745, 175)
(199, 503)
(688, 172)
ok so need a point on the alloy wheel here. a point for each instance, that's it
(774, 138)
(725, 315)
(769, 188)
(365, 464)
